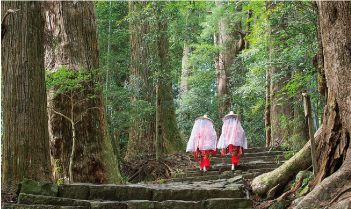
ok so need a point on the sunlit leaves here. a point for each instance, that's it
(64, 80)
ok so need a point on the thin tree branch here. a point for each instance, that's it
(52, 109)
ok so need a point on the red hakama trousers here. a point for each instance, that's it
(235, 151)
(204, 157)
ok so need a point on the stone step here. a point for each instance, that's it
(251, 175)
(263, 149)
(217, 169)
(25, 206)
(155, 192)
(224, 176)
(261, 171)
(227, 158)
(35, 201)
(246, 166)
(256, 154)
(268, 153)
(197, 178)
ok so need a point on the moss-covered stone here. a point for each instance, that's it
(304, 191)
(74, 191)
(304, 173)
(289, 185)
(227, 173)
(180, 204)
(21, 206)
(103, 192)
(48, 200)
(232, 191)
(280, 204)
(135, 204)
(178, 194)
(109, 205)
(227, 203)
(125, 193)
(29, 186)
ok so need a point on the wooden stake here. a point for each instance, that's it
(308, 114)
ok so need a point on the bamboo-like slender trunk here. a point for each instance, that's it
(267, 115)
(73, 142)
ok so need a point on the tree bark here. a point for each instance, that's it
(25, 140)
(142, 131)
(72, 41)
(224, 60)
(300, 129)
(334, 150)
(185, 71)
(280, 106)
(156, 132)
(267, 115)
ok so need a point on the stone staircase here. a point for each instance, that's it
(219, 187)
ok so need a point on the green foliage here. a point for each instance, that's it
(58, 171)
(194, 23)
(202, 97)
(64, 80)
(113, 31)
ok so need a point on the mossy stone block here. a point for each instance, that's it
(180, 204)
(135, 204)
(30, 199)
(108, 205)
(74, 191)
(227, 203)
(29, 186)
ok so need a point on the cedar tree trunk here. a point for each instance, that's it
(157, 132)
(334, 150)
(73, 42)
(25, 140)
(185, 71)
(224, 60)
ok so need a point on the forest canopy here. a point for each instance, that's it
(277, 46)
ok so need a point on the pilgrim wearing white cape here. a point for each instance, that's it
(233, 138)
(203, 140)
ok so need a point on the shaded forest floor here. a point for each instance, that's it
(148, 169)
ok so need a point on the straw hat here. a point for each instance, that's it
(231, 114)
(205, 117)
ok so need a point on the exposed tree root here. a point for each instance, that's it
(301, 161)
(329, 189)
(292, 190)
(267, 204)
(337, 196)
(271, 192)
(136, 174)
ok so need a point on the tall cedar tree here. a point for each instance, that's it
(157, 132)
(233, 43)
(25, 140)
(71, 27)
(334, 61)
(279, 104)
